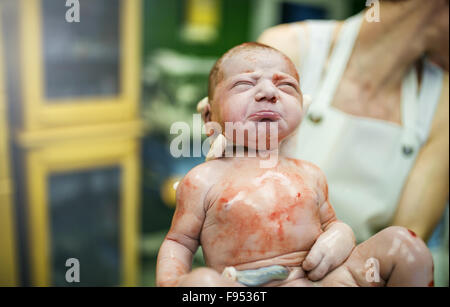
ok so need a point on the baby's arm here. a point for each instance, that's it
(177, 251)
(336, 242)
(175, 256)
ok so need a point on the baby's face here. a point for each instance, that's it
(258, 87)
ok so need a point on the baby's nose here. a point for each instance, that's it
(267, 92)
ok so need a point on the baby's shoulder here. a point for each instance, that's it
(306, 167)
(203, 176)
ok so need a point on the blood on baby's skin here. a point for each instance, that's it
(180, 206)
(283, 212)
(265, 226)
(296, 162)
(176, 270)
(254, 213)
(276, 78)
(431, 284)
(179, 267)
(179, 212)
(245, 222)
(412, 233)
(188, 184)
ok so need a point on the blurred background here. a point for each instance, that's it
(85, 114)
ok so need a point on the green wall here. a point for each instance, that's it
(163, 21)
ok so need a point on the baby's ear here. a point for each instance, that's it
(307, 100)
(204, 108)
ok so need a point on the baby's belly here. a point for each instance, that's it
(290, 260)
(250, 228)
(260, 270)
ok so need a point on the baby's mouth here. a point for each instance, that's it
(265, 116)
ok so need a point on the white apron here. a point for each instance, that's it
(366, 161)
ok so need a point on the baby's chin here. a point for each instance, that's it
(263, 135)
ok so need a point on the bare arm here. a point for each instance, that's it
(174, 263)
(286, 39)
(331, 225)
(326, 212)
(176, 252)
(426, 190)
(336, 242)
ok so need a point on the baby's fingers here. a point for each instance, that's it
(313, 259)
(320, 271)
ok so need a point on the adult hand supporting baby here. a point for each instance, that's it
(330, 250)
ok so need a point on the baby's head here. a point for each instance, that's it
(255, 88)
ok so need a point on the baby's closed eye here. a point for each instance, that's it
(288, 86)
(243, 84)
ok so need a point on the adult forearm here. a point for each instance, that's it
(422, 209)
(425, 195)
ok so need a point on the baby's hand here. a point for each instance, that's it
(329, 251)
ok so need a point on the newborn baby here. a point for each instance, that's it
(268, 226)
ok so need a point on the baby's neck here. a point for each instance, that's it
(236, 151)
(267, 158)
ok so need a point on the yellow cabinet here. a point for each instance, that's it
(8, 265)
(78, 141)
(82, 204)
(56, 55)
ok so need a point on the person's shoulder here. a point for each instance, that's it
(285, 38)
(287, 33)
(281, 32)
(203, 176)
(312, 173)
(306, 166)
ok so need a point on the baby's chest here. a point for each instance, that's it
(269, 197)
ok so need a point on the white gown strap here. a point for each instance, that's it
(320, 34)
(409, 107)
(338, 62)
(418, 108)
(302, 46)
